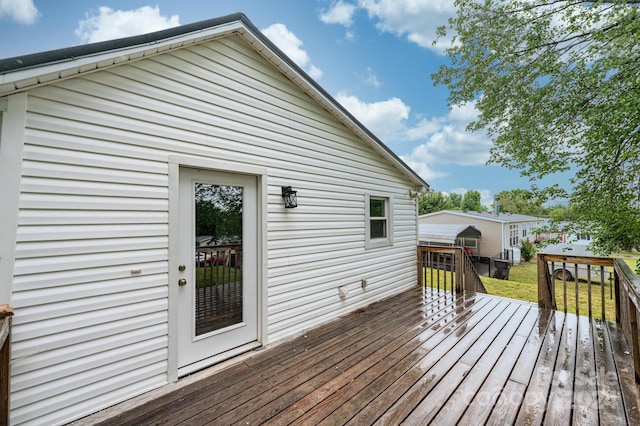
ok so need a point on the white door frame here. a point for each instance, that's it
(175, 162)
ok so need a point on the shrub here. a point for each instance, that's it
(527, 250)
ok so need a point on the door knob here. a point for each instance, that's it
(182, 281)
(181, 268)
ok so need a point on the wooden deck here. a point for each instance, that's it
(416, 358)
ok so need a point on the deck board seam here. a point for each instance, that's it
(386, 340)
(396, 350)
(478, 369)
(401, 408)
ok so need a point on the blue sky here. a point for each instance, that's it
(374, 56)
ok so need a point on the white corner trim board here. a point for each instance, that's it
(11, 147)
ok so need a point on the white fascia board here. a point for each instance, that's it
(31, 77)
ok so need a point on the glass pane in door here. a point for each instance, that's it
(218, 256)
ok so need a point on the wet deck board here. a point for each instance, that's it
(421, 356)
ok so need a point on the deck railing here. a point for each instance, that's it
(6, 312)
(448, 268)
(627, 290)
(569, 277)
(610, 286)
(218, 287)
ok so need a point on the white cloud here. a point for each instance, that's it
(314, 72)
(418, 19)
(339, 13)
(444, 140)
(424, 128)
(385, 118)
(22, 11)
(350, 35)
(424, 170)
(451, 143)
(370, 79)
(110, 24)
(415, 19)
(291, 45)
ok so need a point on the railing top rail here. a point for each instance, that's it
(467, 277)
(220, 247)
(6, 311)
(629, 279)
(440, 249)
(581, 260)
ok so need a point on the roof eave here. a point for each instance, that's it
(61, 66)
(44, 68)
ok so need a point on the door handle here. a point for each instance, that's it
(182, 282)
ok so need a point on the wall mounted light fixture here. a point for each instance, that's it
(290, 197)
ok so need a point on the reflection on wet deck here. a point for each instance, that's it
(421, 356)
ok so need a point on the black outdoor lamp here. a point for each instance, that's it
(290, 199)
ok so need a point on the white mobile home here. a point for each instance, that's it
(500, 231)
(144, 233)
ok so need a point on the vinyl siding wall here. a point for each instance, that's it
(90, 332)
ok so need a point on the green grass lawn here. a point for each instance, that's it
(210, 275)
(528, 291)
(523, 285)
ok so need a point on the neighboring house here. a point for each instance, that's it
(563, 235)
(500, 232)
(205, 240)
(100, 148)
(582, 238)
(572, 236)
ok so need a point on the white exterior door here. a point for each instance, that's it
(217, 287)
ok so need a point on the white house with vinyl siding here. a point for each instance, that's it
(103, 151)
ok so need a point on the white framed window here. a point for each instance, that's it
(513, 235)
(470, 242)
(467, 242)
(378, 221)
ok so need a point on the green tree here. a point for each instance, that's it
(456, 200)
(520, 201)
(527, 250)
(433, 202)
(218, 211)
(562, 213)
(471, 201)
(557, 87)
